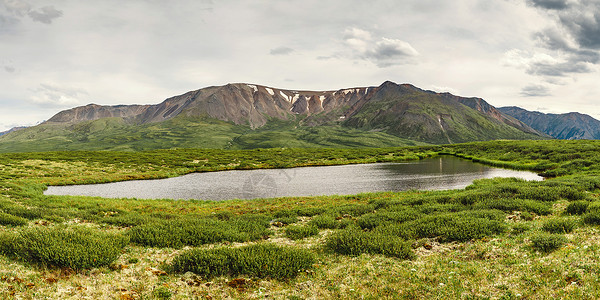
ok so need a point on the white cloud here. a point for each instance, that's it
(383, 52)
(54, 96)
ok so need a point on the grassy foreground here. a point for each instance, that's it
(496, 239)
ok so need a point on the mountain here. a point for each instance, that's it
(12, 129)
(569, 126)
(249, 116)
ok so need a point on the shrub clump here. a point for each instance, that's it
(259, 260)
(8, 219)
(77, 248)
(194, 232)
(353, 241)
(577, 207)
(520, 228)
(559, 226)
(297, 232)
(372, 220)
(547, 242)
(461, 226)
(324, 221)
(592, 218)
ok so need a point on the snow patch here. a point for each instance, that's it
(351, 91)
(253, 87)
(296, 96)
(321, 98)
(288, 98)
(366, 91)
(270, 91)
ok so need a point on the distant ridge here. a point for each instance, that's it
(12, 130)
(569, 126)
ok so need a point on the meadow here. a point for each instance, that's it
(496, 239)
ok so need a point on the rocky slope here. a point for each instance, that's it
(569, 126)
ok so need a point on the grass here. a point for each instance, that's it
(498, 238)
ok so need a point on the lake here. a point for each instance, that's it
(441, 173)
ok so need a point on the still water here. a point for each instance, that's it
(440, 173)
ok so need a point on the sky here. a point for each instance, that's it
(541, 55)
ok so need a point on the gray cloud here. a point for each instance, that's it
(535, 90)
(45, 14)
(17, 7)
(281, 51)
(550, 4)
(9, 69)
(574, 42)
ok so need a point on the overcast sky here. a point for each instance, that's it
(538, 54)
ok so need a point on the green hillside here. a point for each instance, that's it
(423, 116)
(189, 132)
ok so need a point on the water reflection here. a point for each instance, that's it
(430, 174)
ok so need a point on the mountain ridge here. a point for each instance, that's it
(390, 111)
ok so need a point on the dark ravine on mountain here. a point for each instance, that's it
(569, 126)
(250, 116)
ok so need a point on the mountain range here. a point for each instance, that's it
(569, 126)
(252, 116)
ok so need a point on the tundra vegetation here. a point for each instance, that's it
(500, 238)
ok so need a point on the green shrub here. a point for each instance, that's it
(547, 242)
(285, 214)
(195, 232)
(527, 216)
(8, 219)
(542, 193)
(309, 211)
(259, 260)
(324, 222)
(287, 220)
(462, 226)
(577, 207)
(353, 241)
(509, 205)
(77, 248)
(162, 293)
(520, 228)
(559, 226)
(372, 220)
(592, 218)
(353, 210)
(571, 193)
(298, 232)
(126, 220)
(594, 206)
(24, 212)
